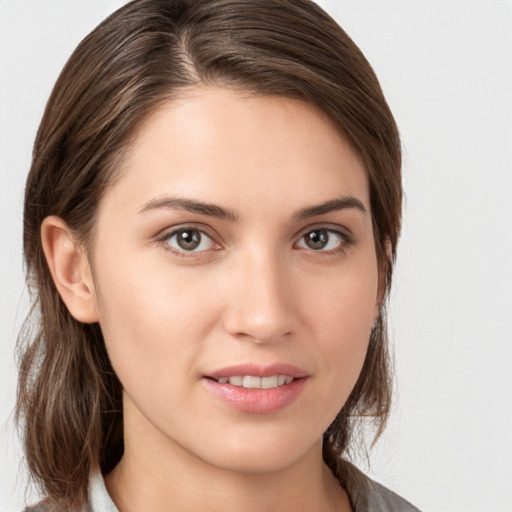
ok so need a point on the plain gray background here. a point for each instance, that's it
(446, 68)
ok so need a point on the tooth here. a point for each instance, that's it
(251, 382)
(237, 380)
(269, 382)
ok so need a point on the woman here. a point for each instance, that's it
(211, 220)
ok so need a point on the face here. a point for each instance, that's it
(236, 278)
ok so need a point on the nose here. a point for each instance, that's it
(260, 299)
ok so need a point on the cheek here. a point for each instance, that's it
(346, 301)
(343, 313)
(347, 331)
(148, 317)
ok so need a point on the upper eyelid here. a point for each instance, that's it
(344, 243)
(163, 238)
(202, 228)
(334, 228)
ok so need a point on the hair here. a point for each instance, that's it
(69, 404)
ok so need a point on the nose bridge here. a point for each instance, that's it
(259, 306)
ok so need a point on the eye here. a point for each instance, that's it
(189, 240)
(322, 240)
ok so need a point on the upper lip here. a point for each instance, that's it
(256, 370)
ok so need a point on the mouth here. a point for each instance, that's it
(255, 382)
(257, 389)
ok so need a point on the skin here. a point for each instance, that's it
(253, 291)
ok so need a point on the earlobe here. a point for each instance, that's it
(70, 269)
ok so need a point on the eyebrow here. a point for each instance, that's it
(340, 203)
(190, 205)
(213, 210)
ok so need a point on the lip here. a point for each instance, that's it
(258, 371)
(257, 401)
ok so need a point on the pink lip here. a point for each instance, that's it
(257, 401)
(258, 371)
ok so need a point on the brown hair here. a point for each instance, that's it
(69, 400)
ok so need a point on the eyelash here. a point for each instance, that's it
(346, 241)
(164, 241)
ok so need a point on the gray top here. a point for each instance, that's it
(365, 494)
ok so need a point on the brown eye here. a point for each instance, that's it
(189, 240)
(321, 240)
(317, 240)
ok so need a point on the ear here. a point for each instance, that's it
(70, 269)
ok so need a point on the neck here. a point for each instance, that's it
(164, 476)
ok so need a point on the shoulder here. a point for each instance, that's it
(366, 495)
(381, 498)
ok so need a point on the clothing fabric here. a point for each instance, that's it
(99, 498)
(365, 494)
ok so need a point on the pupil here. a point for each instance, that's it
(189, 240)
(317, 239)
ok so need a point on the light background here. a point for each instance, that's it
(446, 68)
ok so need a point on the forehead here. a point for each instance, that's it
(217, 144)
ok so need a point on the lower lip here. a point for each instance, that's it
(257, 401)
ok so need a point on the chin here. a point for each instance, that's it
(261, 452)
